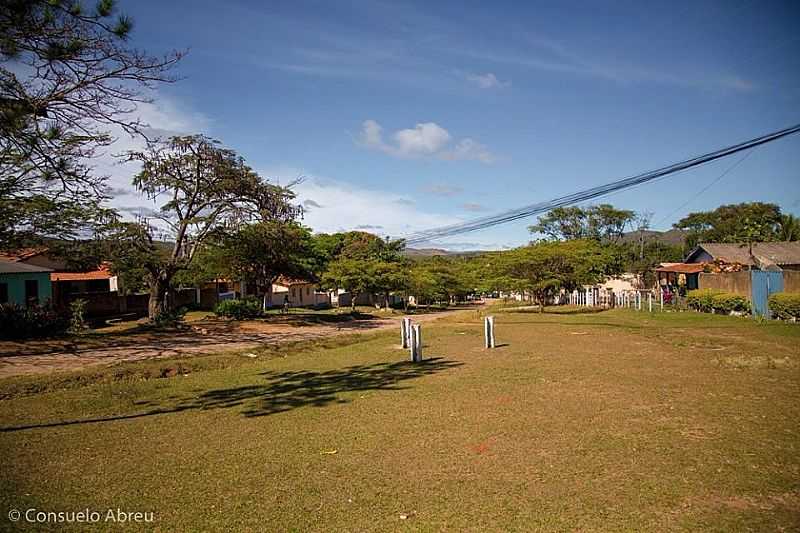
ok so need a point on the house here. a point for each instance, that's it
(785, 255)
(683, 276)
(64, 283)
(298, 293)
(24, 284)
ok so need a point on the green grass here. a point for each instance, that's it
(614, 421)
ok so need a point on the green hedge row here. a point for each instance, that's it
(715, 300)
(785, 305)
(21, 322)
(241, 309)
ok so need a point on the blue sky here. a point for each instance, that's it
(403, 116)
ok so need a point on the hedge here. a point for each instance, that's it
(239, 309)
(784, 305)
(20, 322)
(715, 300)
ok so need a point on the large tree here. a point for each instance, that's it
(542, 269)
(735, 223)
(599, 222)
(206, 190)
(263, 251)
(67, 79)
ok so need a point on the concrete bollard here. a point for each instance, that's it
(405, 332)
(649, 302)
(488, 332)
(661, 292)
(416, 343)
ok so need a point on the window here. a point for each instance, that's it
(31, 291)
(3, 293)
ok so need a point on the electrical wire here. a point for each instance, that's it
(594, 192)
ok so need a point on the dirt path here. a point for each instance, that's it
(204, 337)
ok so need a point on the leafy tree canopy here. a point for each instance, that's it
(599, 222)
(737, 223)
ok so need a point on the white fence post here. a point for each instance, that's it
(488, 332)
(405, 331)
(661, 292)
(416, 343)
(649, 302)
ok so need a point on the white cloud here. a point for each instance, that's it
(426, 139)
(487, 81)
(442, 189)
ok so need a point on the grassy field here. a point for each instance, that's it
(614, 421)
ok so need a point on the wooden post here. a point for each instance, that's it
(416, 343)
(488, 332)
(405, 332)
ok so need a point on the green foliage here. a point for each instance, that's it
(263, 251)
(77, 321)
(66, 79)
(715, 300)
(170, 318)
(437, 279)
(735, 223)
(599, 222)
(241, 309)
(789, 228)
(785, 305)
(541, 269)
(728, 303)
(20, 322)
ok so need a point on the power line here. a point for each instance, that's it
(704, 189)
(594, 192)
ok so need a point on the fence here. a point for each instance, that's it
(113, 304)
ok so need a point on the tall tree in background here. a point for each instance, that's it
(543, 268)
(263, 251)
(599, 222)
(67, 77)
(789, 228)
(207, 190)
(734, 223)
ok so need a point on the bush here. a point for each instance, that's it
(785, 305)
(18, 322)
(170, 319)
(715, 300)
(239, 309)
(77, 310)
(702, 299)
(728, 303)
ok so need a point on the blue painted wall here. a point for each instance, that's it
(16, 286)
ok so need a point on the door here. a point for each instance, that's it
(764, 283)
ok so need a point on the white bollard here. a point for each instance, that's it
(649, 302)
(405, 332)
(661, 292)
(488, 332)
(416, 343)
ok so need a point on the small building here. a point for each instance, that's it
(297, 293)
(786, 255)
(24, 284)
(679, 276)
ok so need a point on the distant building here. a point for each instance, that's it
(24, 284)
(785, 255)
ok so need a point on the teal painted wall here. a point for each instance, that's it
(16, 286)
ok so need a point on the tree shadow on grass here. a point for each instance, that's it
(285, 391)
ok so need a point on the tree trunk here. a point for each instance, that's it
(353, 296)
(159, 298)
(386, 300)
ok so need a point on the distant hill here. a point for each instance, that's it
(674, 237)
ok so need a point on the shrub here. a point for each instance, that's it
(715, 300)
(77, 322)
(239, 309)
(18, 322)
(728, 303)
(702, 299)
(170, 319)
(785, 305)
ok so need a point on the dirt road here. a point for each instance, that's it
(201, 338)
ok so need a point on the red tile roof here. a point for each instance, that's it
(682, 268)
(101, 273)
(22, 254)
